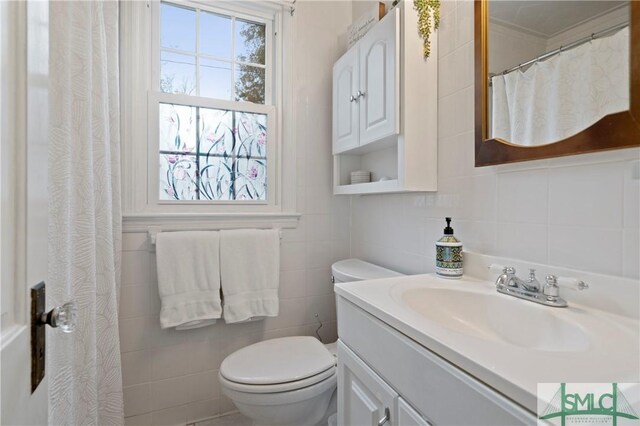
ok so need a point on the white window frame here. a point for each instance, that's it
(140, 79)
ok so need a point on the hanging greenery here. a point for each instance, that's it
(427, 10)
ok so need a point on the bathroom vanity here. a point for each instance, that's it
(422, 350)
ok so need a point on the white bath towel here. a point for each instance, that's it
(250, 272)
(188, 278)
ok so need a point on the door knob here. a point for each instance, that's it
(63, 317)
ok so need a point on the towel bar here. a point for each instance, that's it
(152, 233)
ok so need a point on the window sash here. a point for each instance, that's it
(229, 11)
(154, 101)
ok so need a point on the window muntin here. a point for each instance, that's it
(213, 55)
(212, 154)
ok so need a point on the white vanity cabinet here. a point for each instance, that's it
(385, 108)
(365, 399)
(380, 368)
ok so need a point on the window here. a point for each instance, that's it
(213, 133)
(207, 114)
(212, 154)
(212, 55)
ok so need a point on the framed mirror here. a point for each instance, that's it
(555, 78)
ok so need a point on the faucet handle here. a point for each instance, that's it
(551, 289)
(572, 284)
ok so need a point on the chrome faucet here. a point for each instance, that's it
(509, 279)
(530, 289)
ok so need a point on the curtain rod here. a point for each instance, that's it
(577, 43)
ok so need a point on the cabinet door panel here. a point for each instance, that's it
(407, 416)
(345, 110)
(379, 81)
(363, 397)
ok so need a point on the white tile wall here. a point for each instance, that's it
(580, 211)
(170, 377)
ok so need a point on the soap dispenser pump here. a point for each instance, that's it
(449, 254)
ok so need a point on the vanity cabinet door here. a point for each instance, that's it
(379, 88)
(407, 416)
(363, 397)
(345, 102)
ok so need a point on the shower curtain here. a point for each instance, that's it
(558, 97)
(83, 367)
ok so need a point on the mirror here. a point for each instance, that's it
(555, 78)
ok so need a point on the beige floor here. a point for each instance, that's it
(235, 419)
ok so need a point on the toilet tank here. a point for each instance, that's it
(358, 270)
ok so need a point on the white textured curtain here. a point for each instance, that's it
(559, 97)
(85, 378)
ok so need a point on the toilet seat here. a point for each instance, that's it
(279, 387)
(278, 365)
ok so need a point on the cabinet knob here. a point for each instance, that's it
(354, 98)
(360, 94)
(386, 418)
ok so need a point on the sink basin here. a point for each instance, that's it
(496, 317)
(509, 343)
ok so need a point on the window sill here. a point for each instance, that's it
(140, 222)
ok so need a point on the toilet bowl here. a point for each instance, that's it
(290, 380)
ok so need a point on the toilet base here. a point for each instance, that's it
(309, 406)
(331, 409)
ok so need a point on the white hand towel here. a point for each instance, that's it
(188, 278)
(250, 271)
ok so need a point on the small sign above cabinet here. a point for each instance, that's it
(385, 109)
(360, 26)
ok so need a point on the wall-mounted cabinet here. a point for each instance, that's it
(365, 88)
(385, 109)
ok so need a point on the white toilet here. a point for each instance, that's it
(291, 380)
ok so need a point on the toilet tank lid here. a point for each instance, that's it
(357, 270)
(274, 361)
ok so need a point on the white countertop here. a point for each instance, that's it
(611, 354)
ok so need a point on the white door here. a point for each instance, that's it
(345, 102)
(364, 399)
(23, 192)
(379, 86)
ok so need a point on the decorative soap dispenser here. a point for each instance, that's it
(449, 254)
